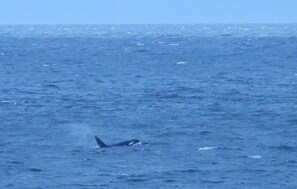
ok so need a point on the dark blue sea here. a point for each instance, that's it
(215, 106)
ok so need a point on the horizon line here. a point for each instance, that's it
(201, 23)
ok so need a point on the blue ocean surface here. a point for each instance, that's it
(215, 106)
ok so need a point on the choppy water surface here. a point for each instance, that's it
(215, 106)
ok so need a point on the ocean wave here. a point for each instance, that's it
(284, 148)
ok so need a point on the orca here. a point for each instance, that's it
(124, 143)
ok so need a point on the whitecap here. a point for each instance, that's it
(140, 44)
(2, 53)
(207, 148)
(173, 44)
(181, 62)
(8, 102)
(161, 42)
(67, 29)
(255, 156)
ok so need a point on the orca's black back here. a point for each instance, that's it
(127, 143)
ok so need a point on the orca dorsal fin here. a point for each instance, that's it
(100, 143)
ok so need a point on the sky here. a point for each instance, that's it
(147, 11)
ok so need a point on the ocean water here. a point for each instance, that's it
(215, 106)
